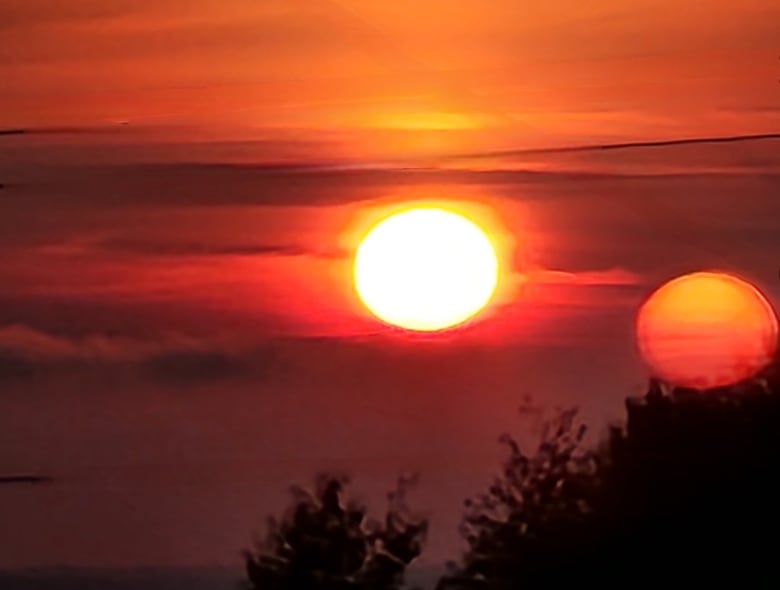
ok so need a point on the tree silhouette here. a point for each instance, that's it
(687, 492)
(533, 514)
(322, 543)
(693, 478)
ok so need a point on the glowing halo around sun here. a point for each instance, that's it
(706, 330)
(425, 269)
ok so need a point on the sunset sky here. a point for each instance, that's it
(183, 184)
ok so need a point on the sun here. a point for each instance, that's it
(425, 269)
(706, 330)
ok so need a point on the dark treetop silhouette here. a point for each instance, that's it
(321, 544)
(688, 491)
(534, 513)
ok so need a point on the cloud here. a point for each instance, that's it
(13, 367)
(46, 183)
(162, 245)
(26, 352)
(196, 184)
(578, 298)
(609, 277)
(25, 342)
(635, 145)
(705, 155)
(173, 248)
(185, 366)
(19, 13)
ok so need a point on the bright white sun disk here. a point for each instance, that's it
(425, 269)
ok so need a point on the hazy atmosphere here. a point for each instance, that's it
(182, 189)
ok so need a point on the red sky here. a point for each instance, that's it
(179, 341)
(178, 336)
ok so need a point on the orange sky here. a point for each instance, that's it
(396, 75)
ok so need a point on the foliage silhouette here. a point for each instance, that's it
(535, 511)
(323, 544)
(686, 492)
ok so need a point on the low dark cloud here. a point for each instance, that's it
(194, 366)
(634, 145)
(27, 353)
(197, 185)
(76, 317)
(567, 172)
(173, 248)
(14, 367)
(25, 13)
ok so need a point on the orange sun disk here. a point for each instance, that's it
(706, 330)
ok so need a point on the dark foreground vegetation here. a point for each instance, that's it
(688, 491)
(325, 543)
